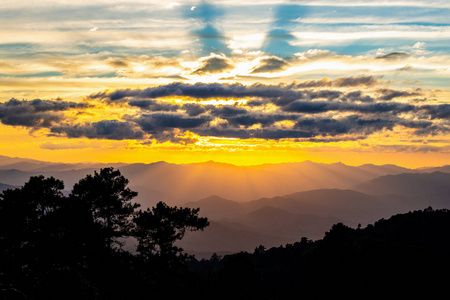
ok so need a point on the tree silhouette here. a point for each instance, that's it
(108, 198)
(28, 235)
(158, 229)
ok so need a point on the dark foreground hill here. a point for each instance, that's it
(309, 213)
(63, 247)
(58, 246)
(404, 257)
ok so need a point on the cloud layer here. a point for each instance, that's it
(270, 112)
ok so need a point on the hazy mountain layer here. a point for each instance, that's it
(294, 200)
(177, 184)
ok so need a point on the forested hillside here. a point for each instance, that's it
(55, 246)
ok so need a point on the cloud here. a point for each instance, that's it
(357, 96)
(227, 111)
(433, 130)
(441, 111)
(265, 120)
(388, 94)
(272, 134)
(315, 107)
(153, 105)
(406, 68)
(324, 94)
(311, 107)
(394, 56)
(353, 124)
(154, 123)
(305, 128)
(355, 81)
(105, 129)
(278, 94)
(271, 64)
(117, 63)
(61, 146)
(339, 82)
(313, 114)
(36, 113)
(214, 64)
(204, 91)
(193, 110)
(412, 148)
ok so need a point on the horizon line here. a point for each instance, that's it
(224, 163)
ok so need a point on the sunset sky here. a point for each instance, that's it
(243, 82)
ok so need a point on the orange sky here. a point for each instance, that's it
(231, 81)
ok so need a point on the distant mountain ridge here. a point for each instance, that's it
(178, 184)
(6, 186)
(433, 186)
(303, 214)
(270, 204)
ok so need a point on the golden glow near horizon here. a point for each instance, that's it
(198, 81)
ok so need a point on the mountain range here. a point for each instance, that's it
(181, 183)
(269, 204)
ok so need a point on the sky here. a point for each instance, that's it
(243, 82)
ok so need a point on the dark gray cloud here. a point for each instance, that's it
(154, 123)
(324, 94)
(311, 128)
(441, 111)
(355, 81)
(357, 96)
(153, 105)
(393, 108)
(105, 129)
(388, 94)
(433, 130)
(278, 94)
(214, 65)
(272, 134)
(312, 107)
(117, 63)
(205, 91)
(36, 113)
(316, 114)
(339, 82)
(193, 110)
(353, 124)
(394, 56)
(226, 111)
(265, 120)
(412, 148)
(406, 68)
(253, 103)
(271, 64)
(315, 107)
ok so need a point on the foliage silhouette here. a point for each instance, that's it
(54, 247)
(108, 198)
(57, 247)
(157, 229)
(28, 234)
(406, 256)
